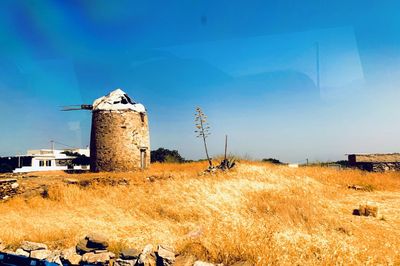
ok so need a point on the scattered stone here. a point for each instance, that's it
(368, 188)
(97, 241)
(82, 247)
(73, 259)
(68, 252)
(369, 209)
(130, 254)
(147, 257)
(71, 181)
(91, 257)
(8, 188)
(31, 246)
(355, 187)
(40, 254)
(185, 260)
(344, 230)
(21, 252)
(165, 255)
(100, 250)
(55, 257)
(121, 262)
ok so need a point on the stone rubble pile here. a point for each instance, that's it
(8, 188)
(93, 250)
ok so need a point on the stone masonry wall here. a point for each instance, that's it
(8, 188)
(117, 138)
(382, 167)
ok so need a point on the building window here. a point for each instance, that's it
(41, 163)
(142, 117)
(48, 163)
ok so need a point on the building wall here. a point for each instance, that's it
(118, 139)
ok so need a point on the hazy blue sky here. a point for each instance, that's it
(251, 66)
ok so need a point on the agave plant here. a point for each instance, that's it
(202, 130)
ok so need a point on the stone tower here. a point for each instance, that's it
(120, 134)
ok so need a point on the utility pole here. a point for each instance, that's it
(307, 161)
(226, 146)
(52, 145)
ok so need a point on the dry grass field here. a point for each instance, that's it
(262, 213)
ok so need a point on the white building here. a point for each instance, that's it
(50, 160)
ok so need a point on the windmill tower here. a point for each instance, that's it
(119, 139)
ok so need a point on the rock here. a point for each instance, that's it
(185, 260)
(112, 255)
(369, 209)
(31, 246)
(130, 254)
(147, 257)
(73, 259)
(100, 250)
(102, 258)
(82, 247)
(71, 181)
(165, 255)
(40, 254)
(97, 241)
(55, 257)
(70, 257)
(14, 185)
(67, 252)
(21, 252)
(121, 262)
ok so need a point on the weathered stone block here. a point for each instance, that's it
(31, 246)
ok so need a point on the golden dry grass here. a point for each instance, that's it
(258, 212)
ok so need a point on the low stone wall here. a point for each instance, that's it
(93, 250)
(8, 188)
(382, 167)
(378, 166)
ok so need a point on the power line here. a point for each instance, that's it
(66, 145)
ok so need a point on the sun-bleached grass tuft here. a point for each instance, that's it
(262, 213)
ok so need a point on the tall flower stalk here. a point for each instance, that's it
(202, 130)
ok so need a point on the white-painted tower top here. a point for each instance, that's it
(117, 100)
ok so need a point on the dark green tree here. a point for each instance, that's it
(162, 155)
(272, 160)
(80, 159)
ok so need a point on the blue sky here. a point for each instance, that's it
(251, 66)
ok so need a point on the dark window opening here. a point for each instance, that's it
(41, 163)
(128, 99)
(48, 163)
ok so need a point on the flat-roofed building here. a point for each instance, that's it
(377, 162)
